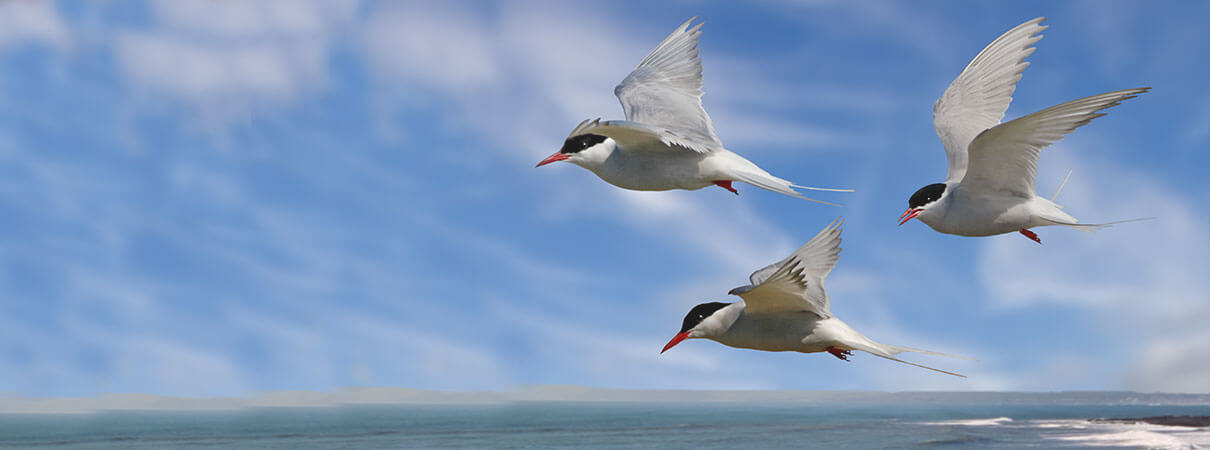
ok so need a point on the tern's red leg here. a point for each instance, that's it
(726, 184)
(842, 354)
(1031, 235)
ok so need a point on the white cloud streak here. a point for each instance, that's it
(233, 55)
(31, 21)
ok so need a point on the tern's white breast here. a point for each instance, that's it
(656, 170)
(966, 213)
(774, 332)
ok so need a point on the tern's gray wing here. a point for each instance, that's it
(631, 136)
(763, 274)
(1005, 158)
(665, 92)
(977, 99)
(796, 283)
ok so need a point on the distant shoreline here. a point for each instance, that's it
(1175, 421)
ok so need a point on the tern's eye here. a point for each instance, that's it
(926, 195)
(576, 144)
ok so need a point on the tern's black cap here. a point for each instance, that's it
(926, 195)
(700, 313)
(577, 144)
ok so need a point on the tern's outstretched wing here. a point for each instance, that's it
(978, 98)
(1005, 158)
(796, 283)
(665, 92)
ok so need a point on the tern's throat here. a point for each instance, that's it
(722, 320)
(934, 214)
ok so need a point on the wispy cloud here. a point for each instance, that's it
(36, 22)
(225, 58)
(447, 47)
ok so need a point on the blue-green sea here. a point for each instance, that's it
(612, 425)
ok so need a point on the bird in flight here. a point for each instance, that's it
(667, 141)
(785, 309)
(993, 166)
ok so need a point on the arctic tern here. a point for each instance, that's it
(992, 166)
(786, 309)
(667, 141)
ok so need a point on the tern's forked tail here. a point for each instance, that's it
(1093, 227)
(764, 180)
(889, 352)
(1064, 219)
(809, 188)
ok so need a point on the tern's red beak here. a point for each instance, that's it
(675, 340)
(553, 158)
(910, 214)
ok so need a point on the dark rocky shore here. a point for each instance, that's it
(1176, 421)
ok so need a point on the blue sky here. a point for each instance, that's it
(218, 198)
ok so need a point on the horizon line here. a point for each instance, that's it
(385, 396)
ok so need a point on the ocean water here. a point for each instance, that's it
(611, 425)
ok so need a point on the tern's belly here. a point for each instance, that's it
(654, 171)
(775, 333)
(982, 216)
(973, 228)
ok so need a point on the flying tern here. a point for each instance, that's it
(785, 308)
(992, 166)
(667, 141)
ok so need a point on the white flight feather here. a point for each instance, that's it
(664, 92)
(1005, 157)
(977, 99)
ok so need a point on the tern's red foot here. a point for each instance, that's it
(1029, 234)
(842, 354)
(726, 184)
